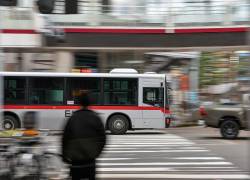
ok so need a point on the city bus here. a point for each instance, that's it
(124, 100)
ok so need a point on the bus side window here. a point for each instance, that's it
(9, 94)
(76, 85)
(14, 90)
(34, 99)
(44, 90)
(120, 91)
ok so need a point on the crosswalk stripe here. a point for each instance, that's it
(165, 163)
(175, 158)
(149, 136)
(151, 148)
(148, 139)
(158, 151)
(114, 159)
(133, 169)
(199, 158)
(142, 145)
(160, 169)
(163, 143)
(174, 176)
(208, 167)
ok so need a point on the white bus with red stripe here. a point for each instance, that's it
(124, 101)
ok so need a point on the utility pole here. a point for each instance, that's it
(1, 77)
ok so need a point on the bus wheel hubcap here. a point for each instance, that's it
(7, 124)
(119, 124)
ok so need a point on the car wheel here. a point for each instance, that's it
(229, 129)
(118, 124)
(10, 122)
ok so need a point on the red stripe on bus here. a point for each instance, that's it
(91, 107)
(19, 31)
(136, 31)
(156, 31)
(211, 30)
(114, 30)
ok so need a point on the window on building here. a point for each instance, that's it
(86, 61)
(14, 90)
(46, 90)
(78, 85)
(120, 91)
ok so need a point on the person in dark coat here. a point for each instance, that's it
(83, 140)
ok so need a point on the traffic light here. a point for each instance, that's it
(46, 6)
(8, 2)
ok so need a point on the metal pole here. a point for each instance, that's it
(1, 77)
(248, 43)
(169, 19)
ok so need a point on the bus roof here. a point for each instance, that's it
(52, 74)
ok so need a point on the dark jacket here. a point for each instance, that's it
(83, 138)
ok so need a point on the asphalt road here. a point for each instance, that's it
(236, 151)
(174, 153)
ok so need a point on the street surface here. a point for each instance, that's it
(236, 151)
(175, 153)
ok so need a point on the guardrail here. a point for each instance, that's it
(168, 14)
(171, 13)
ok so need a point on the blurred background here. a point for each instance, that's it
(201, 45)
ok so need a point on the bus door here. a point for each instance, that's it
(153, 103)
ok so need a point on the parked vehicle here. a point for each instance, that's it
(230, 117)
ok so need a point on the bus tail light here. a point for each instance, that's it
(203, 111)
(167, 122)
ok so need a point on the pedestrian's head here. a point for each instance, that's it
(84, 99)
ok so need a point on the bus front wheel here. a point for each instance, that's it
(118, 124)
(10, 122)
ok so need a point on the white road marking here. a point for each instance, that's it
(160, 169)
(151, 143)
(133, 169)
(199, 158)
(174, 176)
(151, 148)
(179, 158)
(165, 163)
(114, 159)
(142, 145)
(210, 167)
(158, 151)
(143, 139)
(143, 135)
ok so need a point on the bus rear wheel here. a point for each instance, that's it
(10, 122)
(118, 124)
